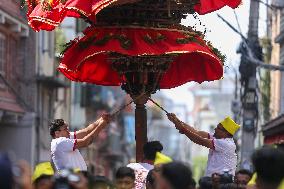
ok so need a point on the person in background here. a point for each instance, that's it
(153, 174)
(101, 182)
(268, 164)
(150, 180)
(205, 183)
(42, 176)
(125, 178)
(141, 169)
(242, 177)
(175, 175)
(6, 175)
(222, 148)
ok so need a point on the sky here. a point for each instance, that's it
(224, 39)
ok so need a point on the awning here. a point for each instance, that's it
(11, 106)
(274, 139)
(273, 131)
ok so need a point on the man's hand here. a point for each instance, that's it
(24, 181)
(107, 118)
(178, 124)
(173, 118)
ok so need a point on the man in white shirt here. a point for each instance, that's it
(222, 149)
(65, 144)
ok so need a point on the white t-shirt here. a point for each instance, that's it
(141, 171)
(222, 158)
(65, 156)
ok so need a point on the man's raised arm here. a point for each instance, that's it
(198, 137)
(80, 134)
(85, 141)
(183, 127)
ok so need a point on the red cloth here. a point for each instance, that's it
(196, 62)
(207, 6)
(40, 19)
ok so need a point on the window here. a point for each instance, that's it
(3, 54)
(282, 53)
(282, 21)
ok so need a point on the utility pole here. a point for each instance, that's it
(249, 96)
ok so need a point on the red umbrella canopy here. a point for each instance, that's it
(47, 14)
(89, 59)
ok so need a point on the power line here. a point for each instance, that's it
(251, 58)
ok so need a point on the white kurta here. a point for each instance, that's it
(222, 158)
(65, 156)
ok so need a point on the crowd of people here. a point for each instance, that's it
(67, 168)
(166, 174)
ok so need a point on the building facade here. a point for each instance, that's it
(273, 130)
(17, 83)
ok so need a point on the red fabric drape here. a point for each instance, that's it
(90, 63)
(43, 17)
(207, 6)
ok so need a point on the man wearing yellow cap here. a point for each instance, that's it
(222, 156)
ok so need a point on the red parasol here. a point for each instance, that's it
(88, 59)
(48, 14)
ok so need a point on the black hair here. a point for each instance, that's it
(268, 163)
(244, 172)
(150, 178)
(102, 180)
(232, 186)
(178, 175)
(125, 172)
(192, 183)
(55, 126)
(151, 148)
(205, 183)
(226, 178)
(42, 177)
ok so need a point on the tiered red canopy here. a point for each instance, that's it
(87, 59)
(46, 16)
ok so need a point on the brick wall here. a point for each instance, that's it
(12, 7)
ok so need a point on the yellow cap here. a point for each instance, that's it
(43, 168)
(252, 180)
(162, 159)
(230, 125)
(281, 186)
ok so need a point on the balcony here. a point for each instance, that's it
(52, 82)
(14, 24)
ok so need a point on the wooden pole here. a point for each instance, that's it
(140, 126)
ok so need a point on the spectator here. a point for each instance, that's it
(268, 163)
(101, 182)
(232, 186)
(150, 180)
(141, 169)
(42, 176)
(125, 178)
(6, 176)
(205, 183)
(175, 176)
(243, 176)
